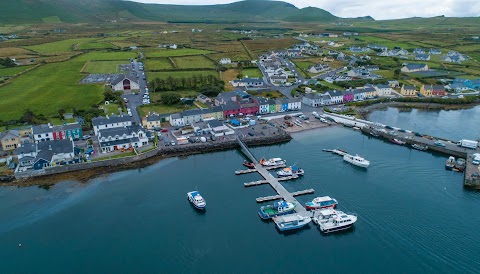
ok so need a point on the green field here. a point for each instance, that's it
(180, 74)
(252, 72)
(193, 62)
(52, 19)
(103, 66)
(110, 109)
(96, 45)
(47, 89)
(158, 63)
(160, 109)
(13, 71)
(106, 56)
(176, 52)
(59, 46)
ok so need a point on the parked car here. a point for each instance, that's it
(172, 143)
(418, 134)
(86, 137)
(164, 130)
(389, 127)
(439, 144)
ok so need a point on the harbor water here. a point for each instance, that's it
(413, 215)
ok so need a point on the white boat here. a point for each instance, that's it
(356, 160)
(329, 220)
(272, 162)
(196, 200)
(290, 171)
(291, 221)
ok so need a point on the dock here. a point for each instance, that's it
(262, 182)
(276, 197)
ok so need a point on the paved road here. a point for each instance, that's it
(135, 100)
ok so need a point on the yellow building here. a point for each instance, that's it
(408, 91)
(10, 140)
(426, 91)
(154, 121)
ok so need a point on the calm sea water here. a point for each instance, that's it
(414, 216)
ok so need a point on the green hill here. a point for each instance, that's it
(74, 11)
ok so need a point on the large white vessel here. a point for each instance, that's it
(356, 160)
(292, 221)
(290, 171)
(329, 220)
(272, 162)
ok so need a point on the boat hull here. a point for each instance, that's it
(287, 228)
(335, 229)
(314, 207)
(267, 216)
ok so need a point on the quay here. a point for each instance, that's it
(274, 182)
(261, 182)
(471, 176)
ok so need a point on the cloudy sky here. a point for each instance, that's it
(378, 9)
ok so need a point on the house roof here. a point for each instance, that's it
(230, 105)
(119, 79)
(176, 116)
(41, 129)
(334, 93)
(215, 123)
(248, 80)
(27, 148)
(97, 121)
(411, 66)
(56, 146)
(119, 142)
(112, 132)
(382, 86)
(10, 134)
(409, 87)
(45, 154)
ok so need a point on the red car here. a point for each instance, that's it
(164, 130)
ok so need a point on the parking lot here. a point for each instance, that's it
(98, 78)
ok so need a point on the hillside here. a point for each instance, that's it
(74, 11)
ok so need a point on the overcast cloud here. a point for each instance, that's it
(378, 9)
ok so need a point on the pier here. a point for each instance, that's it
(261, 182)
(272, 181)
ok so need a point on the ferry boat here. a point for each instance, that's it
(450, 163)
(277, 209)
(292, 221)
(419, 147)
(321, 202)
(290, 171)
(272, 162)
(397, 141)
(196, 200)
(460, 165)
(329, 220)
(356, 160)
(339, 152)
(248, 164)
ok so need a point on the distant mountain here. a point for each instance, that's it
(74, 11)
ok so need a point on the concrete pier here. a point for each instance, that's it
(276, 197)
(261, 182)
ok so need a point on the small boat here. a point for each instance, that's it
(339, 152)
(196, 200)
(290, 171)
(356, 160)
(272, 162)
(329, 220)
(374, 134)
(327, 150)
(248, 164)
(397, 141)
(419, 147)
(460, 164)
(450, 163)
(321, 202)
(292, 221)
(356, 128)
(277, 209)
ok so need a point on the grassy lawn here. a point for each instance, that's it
(176, 52)
(57, 121)
(180, 74)
(155, 96)
(106, 56)
(116, 156)
(110, 108)
(59, 46)
(160, 109)
(227, 76)
(103, 66)
(12, 71)
(191, 62)
(252, 72)
(160, 63)
(330, 86)
(96, 45)
(47, 89)
(385, 73)
(52, 19)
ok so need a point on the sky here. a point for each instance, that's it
(378, 9)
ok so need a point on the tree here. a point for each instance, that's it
(7, 62)
(61, 112)
(170, 98)
(396, 73)
(211, 91)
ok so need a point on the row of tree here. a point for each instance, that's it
(7, 62)
(194, 82)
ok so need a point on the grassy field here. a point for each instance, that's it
(158, 63)
(13, 71)
(252, 72)
(106, 56)
(193, 62)
(59, 46)
(180, 74)
(52, 19)
(47, 89)
(110, 109)
(227, 76)
(103, 66)
(96, 45)
(176, 52)
(12, 52)
(385, 73)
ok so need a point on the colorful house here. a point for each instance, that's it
(284, 105)
(272, 106)
(10, 140)
(73, 131)
(408, 91)
(348, 96)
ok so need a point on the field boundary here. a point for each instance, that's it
(174, 65)
(18, 74)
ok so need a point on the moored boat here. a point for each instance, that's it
(321, 202)
(450, 163)
(356, 160)
(292, 221)
(374, 134)
(290, 171)
(248, 164)
(329, 220)
(460, 164)
(272, 162)
(419, 147)
(397, 141)
(277, 209)
(196, 200)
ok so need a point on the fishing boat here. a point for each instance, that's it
(321, 202)
(356, 160)
(248, 164)
(292, 221)
(196, 200)
(272, 162)
(329, 220)
(339, 152)
(290, 171)
(397, 141)
(460, 164)
(277, 209)
(450, 163)
(419, 147)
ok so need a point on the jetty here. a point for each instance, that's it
(261, 182)
(282, 193)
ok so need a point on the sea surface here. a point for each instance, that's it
(414, 216)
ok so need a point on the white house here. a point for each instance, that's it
(108, 122)
(294, 104)
(225, 61)
(263, 106)
(176, 120)
(248, 82)
(218, 128)
(336, 96)
(313, 99)
(414, 67)
(122, 83)
(383, 90)
(42, 133)
(119, 138)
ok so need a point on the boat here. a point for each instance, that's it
(277, 209)
(321, 202)
(329, 220)
(327, 150)
(397, 141)
(460, 164)
(272, 162)
(196, 200)
(292, 221)
(356, 128)
(339, 152)
(374, 134)
(419, 147)
(356, 160)
(450, 163)
(249, 164)
(290, 171)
